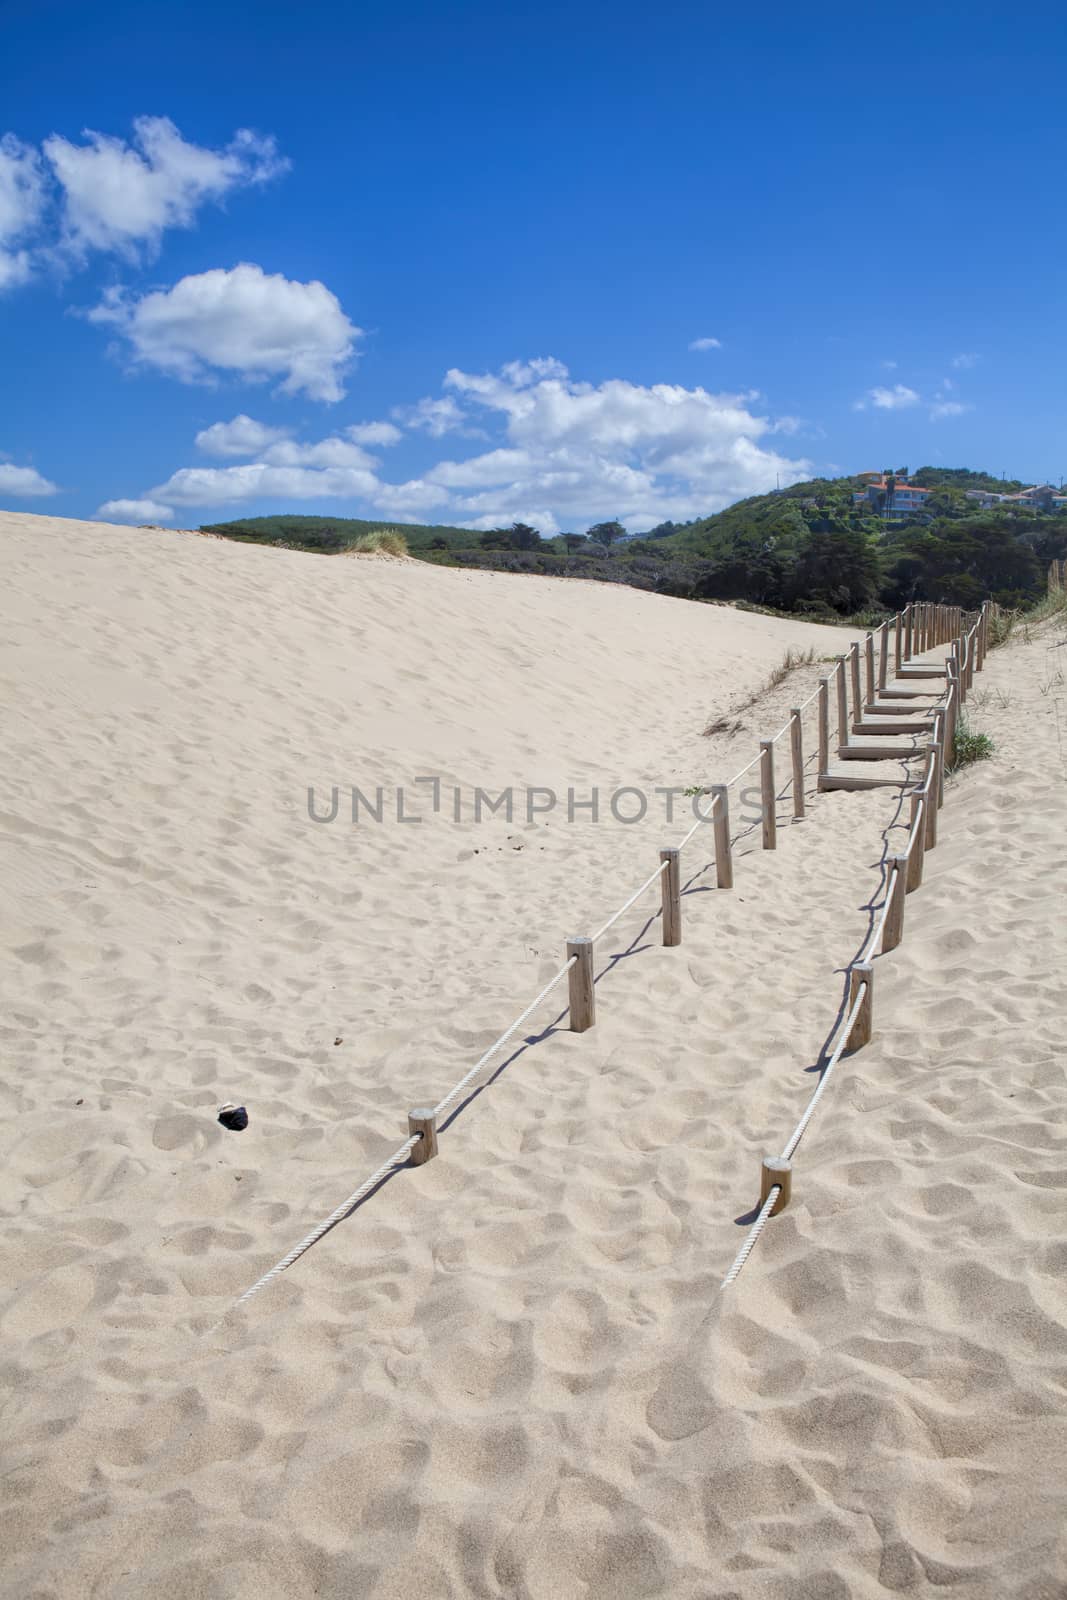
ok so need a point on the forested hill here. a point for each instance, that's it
(807, 549)
(826, 500)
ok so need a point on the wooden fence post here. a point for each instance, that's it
(893, 931)
(917, 852)
(724, 861)
(796, 747)
(854, 667)
(869, 678)
(776, 1173)
(931, 809)
(863, 1027)
(580, 985)
(823, 704)
(842, 703)
(672, 894)
(423, 1121)
(940, 723)
(766, 778)
(883, 660)
(909, 630)
(897, 647)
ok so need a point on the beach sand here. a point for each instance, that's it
(510, 1373)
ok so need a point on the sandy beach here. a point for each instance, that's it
(511, 1373)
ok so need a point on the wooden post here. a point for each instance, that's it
(823, 704)
(893, 931)
(580, 984)
(766, 778)
(854, 666)
(776, 1172)
(724, 861)
(909, 631)
(796, 747)
(671, 881)
(863, 1027)
(917, 853)
(842, 703)
(869, 680)
(423, 1121)
(883, 661)
(939, 740)
(897, 641)
(972, 651)
(931, 809)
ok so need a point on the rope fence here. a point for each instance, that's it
(920, 627)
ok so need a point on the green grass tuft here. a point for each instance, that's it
(969, 746)
(387, 541)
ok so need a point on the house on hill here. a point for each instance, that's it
(893, 498)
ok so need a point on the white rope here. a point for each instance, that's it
(798, 1131)
(635, 896)
(343, 1209)
(920, 823)
(739, 775)
(795, 1138)
(879, 928)
(453, 1094)
(805, 704)
(753, 1234)
(701, 819)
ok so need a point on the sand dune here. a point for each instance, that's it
(511, 1373)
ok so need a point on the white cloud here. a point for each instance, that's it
(614, 449)
(122, 196)
(966, 360)
(895, 399)
(890, 366)
(947, 408)
(382, 433)
(244, 321)
(565, 454)
(25, 483)
(706, 344)
(435, 417)
(332, 452)
(242, 436)
(133, 511)
(259, 480)
(21, 205)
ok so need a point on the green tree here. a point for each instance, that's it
(607, 533)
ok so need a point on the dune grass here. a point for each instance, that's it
(382, 541)
(969, 746)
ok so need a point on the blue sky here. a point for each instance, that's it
(450, 263)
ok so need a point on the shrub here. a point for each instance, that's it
(387, 541)
(969, 746)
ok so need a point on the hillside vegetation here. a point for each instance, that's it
(807, 549)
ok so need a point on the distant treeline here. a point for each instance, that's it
(807, 549)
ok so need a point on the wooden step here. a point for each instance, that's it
(922, 672)
(872, 710)
(907, 694)
(849, 780)
(885, 726)
(879, 752)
